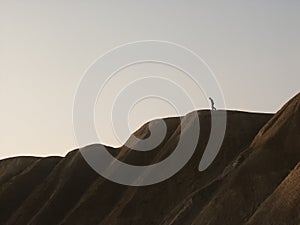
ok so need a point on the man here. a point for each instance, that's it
(212, 104)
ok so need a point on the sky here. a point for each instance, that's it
(46, 47)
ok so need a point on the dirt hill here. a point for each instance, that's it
(253, 180)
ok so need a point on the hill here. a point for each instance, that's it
(253, 180)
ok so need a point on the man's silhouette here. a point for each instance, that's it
(212, 104)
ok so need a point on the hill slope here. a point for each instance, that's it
(272, 155)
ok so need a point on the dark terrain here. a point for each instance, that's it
(255, 180)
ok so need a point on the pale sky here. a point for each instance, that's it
(45, 47)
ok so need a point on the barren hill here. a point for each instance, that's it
(253, 180)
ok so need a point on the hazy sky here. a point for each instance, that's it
(45, 47)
